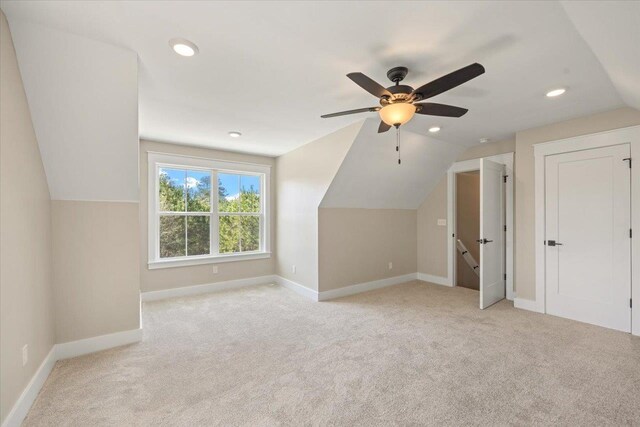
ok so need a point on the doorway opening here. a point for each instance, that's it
(480, 225)
(468, 230)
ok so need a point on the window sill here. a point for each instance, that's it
(184, 262)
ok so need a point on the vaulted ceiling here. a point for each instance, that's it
(270, 69)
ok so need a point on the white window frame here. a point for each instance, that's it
(158, 160)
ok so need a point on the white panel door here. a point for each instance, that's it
(588, 249)
(492, 283)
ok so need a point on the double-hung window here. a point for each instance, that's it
(206, 211)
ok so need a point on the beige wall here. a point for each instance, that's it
(432, 238)
(468, 226)
(303, 177)
(26, 302)
(524, 183)
(177, 277)
(95, 268)
(356, 245)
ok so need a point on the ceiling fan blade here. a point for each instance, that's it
(344, 113)
(383, 127)
(433, 109)
(449, 81)
(369, 85)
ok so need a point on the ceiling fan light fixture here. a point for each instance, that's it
(397, 114)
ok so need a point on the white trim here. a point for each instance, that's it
(298, 288)
(438, 280)
(471, 165)
(64, 351)
(526, 304)
(103, 342)
(23, 404)
(214, 166)
(184, 262)
(365, 287)
(206, 288)
(630, 135)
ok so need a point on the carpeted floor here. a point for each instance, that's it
(412, 354)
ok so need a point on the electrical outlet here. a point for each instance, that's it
(390, 265)
(25, 355)
(442, 222)
(293, 269)
(214, 269)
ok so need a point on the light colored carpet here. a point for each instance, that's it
(412, 354)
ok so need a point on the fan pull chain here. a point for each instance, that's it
(398, 143)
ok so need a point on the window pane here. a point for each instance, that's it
(239, 233)
(250, 233)
(197, 235)
(229, 239)
(228, 192)
(172, 194)
(198, 189)
(172, 236)
(250, 193)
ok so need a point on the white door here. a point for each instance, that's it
(588, 246)
(492, 283)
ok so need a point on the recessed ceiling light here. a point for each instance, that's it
(434, 129)
(235, 134)
(484, 140)
(183, 47)
(556, 92)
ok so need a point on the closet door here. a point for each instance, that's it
(588, 246)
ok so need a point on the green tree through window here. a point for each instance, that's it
(185, 213)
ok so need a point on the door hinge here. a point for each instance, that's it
(453, 235)
(504, 178)
(630, 302)
(505, 276)
(505, 228)
(629, 160)
(630, 233)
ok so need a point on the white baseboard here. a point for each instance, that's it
(91, 345)
(207, 288)
(526, 304)
(28, 396)
(64, 351)
(297, 287)
(364, 287)
(438, 280)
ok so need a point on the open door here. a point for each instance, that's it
(492, 281)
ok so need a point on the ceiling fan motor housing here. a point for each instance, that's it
(397, 74)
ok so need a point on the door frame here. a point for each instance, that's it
(505, 159)
(628, 135)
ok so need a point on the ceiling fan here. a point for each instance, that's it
(398, 103)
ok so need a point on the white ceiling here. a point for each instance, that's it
(83, 99)
(612, 30)
(370, 176)
(270, 69)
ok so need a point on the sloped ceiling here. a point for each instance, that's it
(83, 97)
(370, 176)
(270, 69)
(612, 31)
